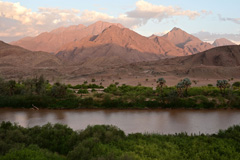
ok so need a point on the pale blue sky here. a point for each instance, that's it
(218, 17)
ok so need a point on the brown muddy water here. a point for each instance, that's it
(130, 121)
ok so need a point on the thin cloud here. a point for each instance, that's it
(206, 12)
(234, 20)
(210, 37)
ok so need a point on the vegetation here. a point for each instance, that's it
(40, 93)
(236, 84)
(222, 85)
(108, 142)
(161, 82)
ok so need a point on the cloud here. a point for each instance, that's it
(146, 11)
(19, 21)
(210, 37)
(206, 12)
(234, 20)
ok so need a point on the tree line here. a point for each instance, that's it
(40, 93)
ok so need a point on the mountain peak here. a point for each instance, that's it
(186, 41)
(222, 42)
(176, 29)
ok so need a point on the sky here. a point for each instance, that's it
(206, 19)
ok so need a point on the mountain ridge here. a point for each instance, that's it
(188, 42)
(222, 42)
(55, 39)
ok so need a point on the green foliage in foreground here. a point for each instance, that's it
(104, 142)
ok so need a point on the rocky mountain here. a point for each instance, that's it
(116, 45)
(222, 42)
(17, 62)
(187, 42)
(225, 56)
(52, 41)
(168, 48)
(16, 56)
(219, 62)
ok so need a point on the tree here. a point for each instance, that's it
(40, 85)
(183, 84)
(59, 90)
(11, 86)
(161, 82)
(222, 85)
(186, 83)
(180, 87)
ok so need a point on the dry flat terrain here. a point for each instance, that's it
(110, 53)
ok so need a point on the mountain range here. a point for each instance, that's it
(109, 50)
(58, 39)
(52, 41)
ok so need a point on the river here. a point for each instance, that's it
(130, 121)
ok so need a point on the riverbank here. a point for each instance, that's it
(108, 142)
(38, 93)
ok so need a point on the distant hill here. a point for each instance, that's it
(116, 45)
(219, 62)
(187, 42)
(225, 56)
(222, 42)
(16, 56)
(17, 62)
(52, 41)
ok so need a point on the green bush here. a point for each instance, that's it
(82, 91)
(31, 152)
(236, 84)
(109, 142)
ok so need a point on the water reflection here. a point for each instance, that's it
(131, 121)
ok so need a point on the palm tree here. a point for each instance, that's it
(179, 87)
(161, 82)
(186, 83)
(222, 85)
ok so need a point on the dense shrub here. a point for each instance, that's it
(31, 152)
(236, 84)
(109, 142)
(82, 91)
